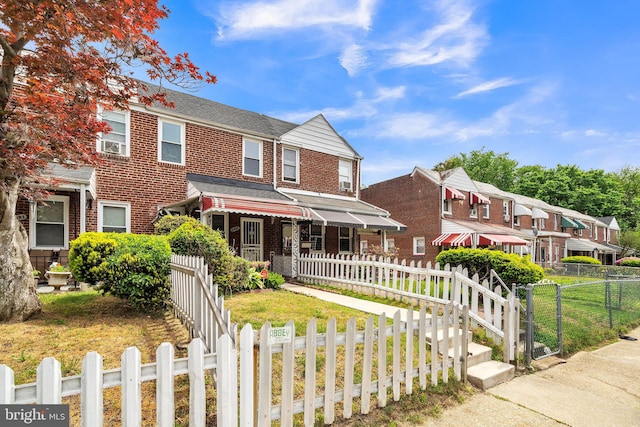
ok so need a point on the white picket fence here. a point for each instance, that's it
(396, 279)
(196, 302)
(50, 387)
(408, 345)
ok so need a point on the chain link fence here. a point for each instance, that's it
(592, 270)
(565, 319)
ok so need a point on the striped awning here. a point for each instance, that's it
(452, 193)
(452, 239)
(254, 207)
(479, 199)
(569, 223)
(581, 225)
(499, 239)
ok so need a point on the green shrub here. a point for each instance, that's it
(273, 280)
(240, 275)
(629, 262)
(138, 271)
(197, 239)
(580, 260)
(87, 254)
(511, 268)
(169, 223)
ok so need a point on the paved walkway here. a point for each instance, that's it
(596, 388)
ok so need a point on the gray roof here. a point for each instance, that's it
(215, 113)
(82, 174)
(337, 204)
(215, 185)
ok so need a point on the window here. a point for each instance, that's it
(171, 142)
(345, 175)
(316, 233)
(391, 244)
(117, 140)
(555, 221)
(290, 161)
(344, 239)
(485, 211)
(473, 211)
(364, 247)
(252, 158)
(516, 220)
(418, 246)
(49, 224)
(505, 209)
(219, 222)
(114, 217)
(446, 206)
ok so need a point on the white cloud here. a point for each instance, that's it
(414, 126)
(488, 86)
(593, 132)
(249, 19)
(353, 59)
(456, 39)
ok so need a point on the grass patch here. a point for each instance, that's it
(74, 323)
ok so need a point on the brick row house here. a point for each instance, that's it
(274, 189)
(448, 209)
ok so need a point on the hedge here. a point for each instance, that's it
(512, 268)
(580, 260)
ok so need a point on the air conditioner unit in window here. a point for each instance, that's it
(112, 147)
(507, 218)
(345, 186)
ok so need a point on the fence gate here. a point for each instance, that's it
(543, 336)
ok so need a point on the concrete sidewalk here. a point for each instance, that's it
(355, 303)
(596, 388)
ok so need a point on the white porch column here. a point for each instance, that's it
(83, 208)
(295, 247)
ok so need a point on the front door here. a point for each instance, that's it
(251, 245)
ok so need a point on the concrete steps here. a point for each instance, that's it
(483, 372)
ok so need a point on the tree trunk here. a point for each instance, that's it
(18, 297)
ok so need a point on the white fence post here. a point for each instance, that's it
(49, 381)
(227, 367)
(197, 390)
(7, 385)
(165, 405)
(91, 398)
(247, 379)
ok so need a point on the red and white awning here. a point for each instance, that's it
(499, 239)
(479, 199)
(254, 207)
(452, 193)
(453, 239)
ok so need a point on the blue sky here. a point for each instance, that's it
(411, 83)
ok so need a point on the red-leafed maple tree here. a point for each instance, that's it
(60, 60)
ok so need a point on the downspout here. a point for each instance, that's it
(83, 208)
(275, 170)
(358, 178)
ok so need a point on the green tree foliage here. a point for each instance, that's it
(511, 268)
(629, 180)
(484, 166)
(630, 242)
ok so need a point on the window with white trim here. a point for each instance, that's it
(220, 223)
(485, 211)
(516, 220)
(316, 234)
(345, 175)
(446, 206)
(418, 246)
(114, 217)
(49, 224)
(116, 141)
(252, 158)
(345, 238)
(290, 164)
(391, 244)
(364, 247)
(171, 142)
(505, 208)
(473, 211)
